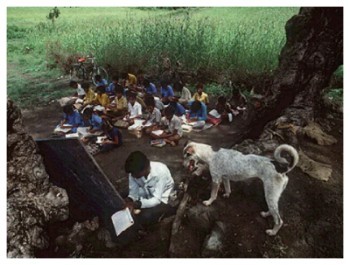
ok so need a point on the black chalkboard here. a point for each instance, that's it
(71, 167)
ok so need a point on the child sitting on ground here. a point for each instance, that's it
(200, 95)
(185, 93)
(110, 90)
(101, 97)
(172, 127)
(119, 108)
(166, 92)
(154, 115)
(134, 109)
(80, 93)
(223, 112)
(150, 88)
(71, 118)
(198, 114)
(92, 120)
(179, 109)
(90, 95)
(100, 81)
(113, 137)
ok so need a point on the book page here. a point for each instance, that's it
(122, 220)
(157, 132)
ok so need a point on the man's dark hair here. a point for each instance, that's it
(136, 162)
(196, 106)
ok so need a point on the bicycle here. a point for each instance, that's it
(86, 69)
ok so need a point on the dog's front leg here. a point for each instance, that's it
(227, 187)
(213, 194)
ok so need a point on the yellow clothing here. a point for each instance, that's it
(202, 98)
(132, 80)
(102, 99)
(89, 97)
(121, 103)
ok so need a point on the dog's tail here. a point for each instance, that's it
(291, 151)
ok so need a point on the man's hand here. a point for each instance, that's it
(129, 203)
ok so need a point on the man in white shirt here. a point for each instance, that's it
(150, 185)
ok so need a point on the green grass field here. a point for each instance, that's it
(221, 40)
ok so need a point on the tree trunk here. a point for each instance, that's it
(313, 51)
(32, 201)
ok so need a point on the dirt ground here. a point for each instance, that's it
(312, 210)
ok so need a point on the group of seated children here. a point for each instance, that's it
(127, 100)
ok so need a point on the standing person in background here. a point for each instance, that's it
(166, 92)
(200, 95)
(80, 93)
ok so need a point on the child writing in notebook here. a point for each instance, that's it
(154, 115)
(134, 108)
(113, 138)
(71, 118)
(101, 97)
(171, 124)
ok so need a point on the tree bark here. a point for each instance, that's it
(32, 201)
(313, 51)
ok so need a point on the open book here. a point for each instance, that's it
(64, 130)
(157, 132)
(84, 131)
(122, 220)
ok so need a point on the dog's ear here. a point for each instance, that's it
(189, 150)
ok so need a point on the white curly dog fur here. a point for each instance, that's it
(227, 164)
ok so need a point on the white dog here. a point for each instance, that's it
(226, 164)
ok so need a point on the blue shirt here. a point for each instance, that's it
(151, 89)
(73, 119)
(201, 114)
(110, 90)
(115, 133)
(102, 83)
(167, 92)
(179, 109)
(95, 122)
